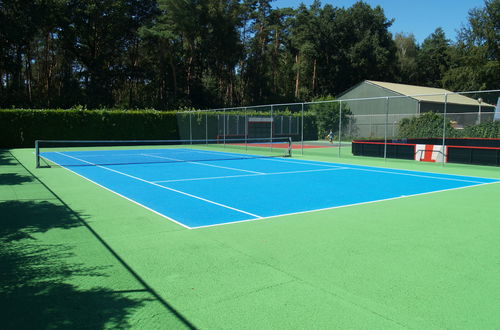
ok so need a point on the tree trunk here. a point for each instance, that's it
(297, 76)
(314, 77)
(275, 62)
(28, 74)
(174, 73)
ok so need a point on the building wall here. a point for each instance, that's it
(369, 116)
(453, 108)
(404, 105)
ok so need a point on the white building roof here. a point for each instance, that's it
(427, 94)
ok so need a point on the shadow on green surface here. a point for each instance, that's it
(33, 289)
(13, 179)
(33, 292)
(21, 219)
(6, 158)
(34, 295)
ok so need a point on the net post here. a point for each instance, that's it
(37, 154)
(289, 147)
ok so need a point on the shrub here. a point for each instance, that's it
(427, 125)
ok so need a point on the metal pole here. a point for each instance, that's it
(340, 126)
(290, 118)
(190, 130)
(206, 127)
(271, 127)
(224, 126)
(444, 127)
(385, 126)
(302, 132)
(246, 129)
(37, 154)
(479, 114)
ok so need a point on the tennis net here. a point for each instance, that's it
(117, 152)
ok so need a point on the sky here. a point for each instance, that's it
(420, 17)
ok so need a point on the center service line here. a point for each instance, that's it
(158, 185)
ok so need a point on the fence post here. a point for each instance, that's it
(190, 129)
(444, 127)
(271, 127)
(37, 154)
(302, 131)
(246, 129)
(385, 126)
(340, 126)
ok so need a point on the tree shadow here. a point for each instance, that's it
(21, 219)
(34, 295)
(34, 277)
(6, 158)
(13, 179)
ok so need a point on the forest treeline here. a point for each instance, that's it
(169, 54)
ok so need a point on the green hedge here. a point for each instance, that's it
(484, 130)
(20, 128)
(430, 124)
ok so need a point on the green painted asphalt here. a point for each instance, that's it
(74, 255)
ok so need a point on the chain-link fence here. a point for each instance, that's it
(385, 120)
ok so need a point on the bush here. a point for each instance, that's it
(484, 130)
(328, 115)
(427, 125)
(20, 128)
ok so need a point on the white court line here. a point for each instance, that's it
(325, 164)
(300, 161)
(116, 193)
(163, 187)
(342, 206)
(270, 217)
(248, 175)
(201, 163)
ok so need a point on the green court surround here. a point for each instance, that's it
(75, 255)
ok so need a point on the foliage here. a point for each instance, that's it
(427, 125)
(327, 115)
(433, 59)
(20, 127)
(430, 125)
(407, 51)
(168, 54)
(475, 58)
(484, 130)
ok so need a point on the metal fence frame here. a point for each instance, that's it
(270, 108)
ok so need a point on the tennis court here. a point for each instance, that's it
(104, 239)
(198, 188)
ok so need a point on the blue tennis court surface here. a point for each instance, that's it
(179, 185)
